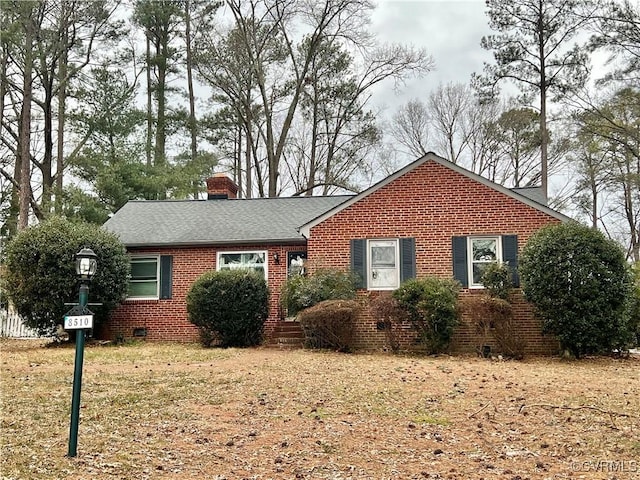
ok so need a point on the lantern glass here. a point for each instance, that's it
(86, 263)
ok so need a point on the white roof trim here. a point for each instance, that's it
(430, 156)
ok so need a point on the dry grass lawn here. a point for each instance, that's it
(154, 411)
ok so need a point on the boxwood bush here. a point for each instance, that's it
(229, 307)
(581, 286)
(300, 292)
(431, 305)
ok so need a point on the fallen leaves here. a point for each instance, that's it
(180, 411)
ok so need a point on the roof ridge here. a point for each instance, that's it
(203, 200)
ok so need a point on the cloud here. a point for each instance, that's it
(449, 30)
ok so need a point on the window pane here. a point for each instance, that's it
(383, 256)
(384, 278)
(484, 250)
(228, 259)
(246, 260)
(253, 258)
(143, 289)
(147, 269)
(478, 270)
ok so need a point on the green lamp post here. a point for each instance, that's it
(80, 319)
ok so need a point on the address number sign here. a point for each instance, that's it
(78, 321)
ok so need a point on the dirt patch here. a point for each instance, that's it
(180, 411)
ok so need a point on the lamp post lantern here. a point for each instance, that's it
(80, 319)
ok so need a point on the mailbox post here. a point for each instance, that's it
(80, 319)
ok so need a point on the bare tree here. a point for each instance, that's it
(410, 127)
(274, 65)
(615, 123)
(450, 106)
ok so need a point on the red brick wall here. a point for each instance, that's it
(431, 203)
(167, 319)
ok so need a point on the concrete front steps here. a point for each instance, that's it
(287, 335)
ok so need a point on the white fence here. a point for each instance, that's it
(11, 326)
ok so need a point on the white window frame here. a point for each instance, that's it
(264, 253)
(372, 272)
(133, 258)
(471, 261)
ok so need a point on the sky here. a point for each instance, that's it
(450, 30)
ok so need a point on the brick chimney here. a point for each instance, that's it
(221, 187)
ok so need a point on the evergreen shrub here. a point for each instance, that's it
(229, 307)
(581, 286)
(431, 305)
(40, 273)
(304, 291)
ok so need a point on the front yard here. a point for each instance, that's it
(154, 411)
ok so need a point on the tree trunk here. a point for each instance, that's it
(543, 109)
(594, 200)
(162, 49)
(12, 217)
(149, 101)
(248, 166)
(62, 99)
(25, 121)
(189, 65)
(47, 161)
(237, 159)
(314, 141)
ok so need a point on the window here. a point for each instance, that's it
(482, 252)
(471, 255)
(383, 264)
(383, 261)
(256, 261)
(151, 277)
(296, 263)
(145, 273)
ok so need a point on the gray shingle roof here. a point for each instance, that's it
(206, 222)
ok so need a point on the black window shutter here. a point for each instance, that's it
(407, 259)
(359, 261)
(166, 273)
(510, 255)
(460, 270)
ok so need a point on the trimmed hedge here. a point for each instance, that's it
(229, 307)
(330, 324)
(580, 284)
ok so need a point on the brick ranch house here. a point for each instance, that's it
(429, 218)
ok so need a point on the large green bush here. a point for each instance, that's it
(230, 307)
(330, 324)
(580, 284)
(431, 305)
(41, 276)
(300, 291)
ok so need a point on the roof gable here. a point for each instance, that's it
(431, 157)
